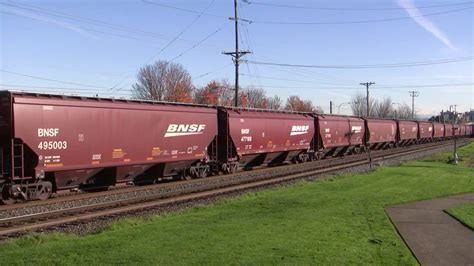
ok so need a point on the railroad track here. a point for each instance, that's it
(192, 190)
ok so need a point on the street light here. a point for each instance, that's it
(456, 158)
(339, 107)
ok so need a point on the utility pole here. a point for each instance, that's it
(413, 94)
(236, 54)
(330, 107)
(367, 85)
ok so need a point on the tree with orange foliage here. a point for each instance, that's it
(163, 81)
(294, 103)
(215, 93)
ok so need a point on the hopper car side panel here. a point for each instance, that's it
(462, 131)
(75, 140)
(263, 137)
(439, 131)
(339, 135)
(407, 132)
(425, 131)
(448, 131)
(381, 133)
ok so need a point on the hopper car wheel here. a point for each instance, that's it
(44, 191)
(204, 171)
(6, 197)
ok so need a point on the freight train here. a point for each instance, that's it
(50, 143)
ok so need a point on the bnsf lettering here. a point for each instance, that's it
(175, 130)
(48, 132)
(185, 128)
(299, 128)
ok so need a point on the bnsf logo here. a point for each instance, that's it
(48, 132)
(299, 130)
(175, 130)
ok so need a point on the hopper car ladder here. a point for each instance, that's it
(2, 167)
(18, 160)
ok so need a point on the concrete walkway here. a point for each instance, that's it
(434, 237)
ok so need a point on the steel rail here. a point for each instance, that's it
(126, 189)
(127, 205)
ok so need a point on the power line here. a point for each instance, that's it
(300, 81)
(100, 23)
(170, 42)
(357, 21)
(197, 44)
(425, 86)
(54, 80)
(212, 71)
(83, 28)
(309, 74)
(391, 65)
(352, 9)
(48, 87)
(381, 87)
(184, 9)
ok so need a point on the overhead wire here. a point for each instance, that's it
(309, 74)
(197, 43)
(213, 71)
(96, 22)
(278, 22)
(53, 80)
(303, 81)
(389, 65)
(185, 9)
(381, 87)
(170, 42)
(82, 28)
(350, 8)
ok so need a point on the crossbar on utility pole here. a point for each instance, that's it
(367, 85)
(413, 94)
(236, 54)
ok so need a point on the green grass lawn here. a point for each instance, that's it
(336, 221)
(464, 213)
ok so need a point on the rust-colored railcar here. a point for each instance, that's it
(438, 131)
(469, 130)
(462, 130)
(449, 132)
(249, 138)
(425, 130)
(381, 133)
(63, 142)
(407, 132)
(339, 135)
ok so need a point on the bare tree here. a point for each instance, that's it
(404, 111)
(163, 81)
(255, 98)
(318, 110)
(384, 108)
(275, 103)
(359, 105)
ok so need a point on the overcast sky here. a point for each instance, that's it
(90, 46)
